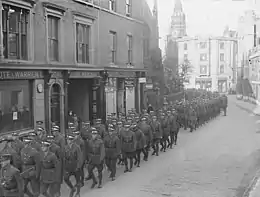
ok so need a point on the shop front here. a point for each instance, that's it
(222, 85)
(17, 99)
(203, 83)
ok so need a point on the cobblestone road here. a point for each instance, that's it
(218, 160)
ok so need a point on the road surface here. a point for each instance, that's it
(218, 160)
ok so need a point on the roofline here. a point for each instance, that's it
(185, 39)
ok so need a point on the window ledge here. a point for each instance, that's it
(54, 6)
(76, 13)
(16, 61)
(26, 3)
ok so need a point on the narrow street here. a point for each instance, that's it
(217, 160)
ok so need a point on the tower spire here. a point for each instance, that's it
(178, 6)
(155, 15)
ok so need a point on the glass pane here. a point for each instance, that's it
(55, 104)
(49, 27)
(15, 105)
(24, 19)
(87, 54)
(13, 21)
(86, 34)
(13, 45)
(55, 50)
(24, 47)
(80, 33)
(55, 28)
(80, 53)
(5, 45)
(4, 20)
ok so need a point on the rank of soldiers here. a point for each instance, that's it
(35, 163)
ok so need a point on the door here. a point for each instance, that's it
(55, 102)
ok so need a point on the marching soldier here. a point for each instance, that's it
(112, 150)
(174, 127)
(48, 170)
(165, 131)
(72, 166)
(100, 128)
(96, 158)
(224, 103)
(128, 142)
(10, 179)
(140, 142)
(146, 129)
(31, 166)
(157, 135)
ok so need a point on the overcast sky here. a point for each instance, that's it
(203, 17)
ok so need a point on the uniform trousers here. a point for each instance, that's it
(111, 165)
(99, 168)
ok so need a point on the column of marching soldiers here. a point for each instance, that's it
(35, 163)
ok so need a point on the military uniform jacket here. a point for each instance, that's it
(112, 146)
(11, 182)
(146, 129)
(96, 151)
(140, 139)
(165, 127)
(49, 168)
(156, 130)
(80, 142)
(173, 123)
(128, 141)
(31, 164)
(73, 157)
(17, 145)
(16, 158)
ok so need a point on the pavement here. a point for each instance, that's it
(220, 159)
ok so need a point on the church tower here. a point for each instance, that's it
(178, 21)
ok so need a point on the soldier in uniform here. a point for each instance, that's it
(165, 131)
(31, 166)
(118, 130)
(146, 129)
(72, 166)
(174, 127)
(100, 128)
(128, 143)
(157, 135)
(224, 103)
(140, 143)
(80, 142)
(11, 183)
(96, 158)
(48, 170)
(112, 150)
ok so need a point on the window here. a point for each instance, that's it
(221, 45)
(203, 70)
(222, 57)
(82, 43)
(221, 69)
(15, 105)
(112, 5)
(128, 7)
(203, 45)
(145, 48)
(203, 57)
(113, 46)
(15, 32)
(129, 49)
(53, 38)
(185, 46)
(185, 57)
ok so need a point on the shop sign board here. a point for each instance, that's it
(84, 74)
(14, 74)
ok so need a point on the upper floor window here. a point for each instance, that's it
(185, 56)
(203, 70)
(112, 5)
(113, 46)
(185, 46)
(203, 45)
(221, 69)
(129, 49)
(203, 57)
(53, 38)
(221, 45)
(15, 32)
(128, 8)
(82, 43)
(222, 57)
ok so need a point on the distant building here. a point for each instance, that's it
(213, 62)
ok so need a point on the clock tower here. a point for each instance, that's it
(178, 21)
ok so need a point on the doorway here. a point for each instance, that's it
(55, 104)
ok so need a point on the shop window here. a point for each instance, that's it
(15, 105)
(15, 32)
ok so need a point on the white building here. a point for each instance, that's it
(213, 61)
